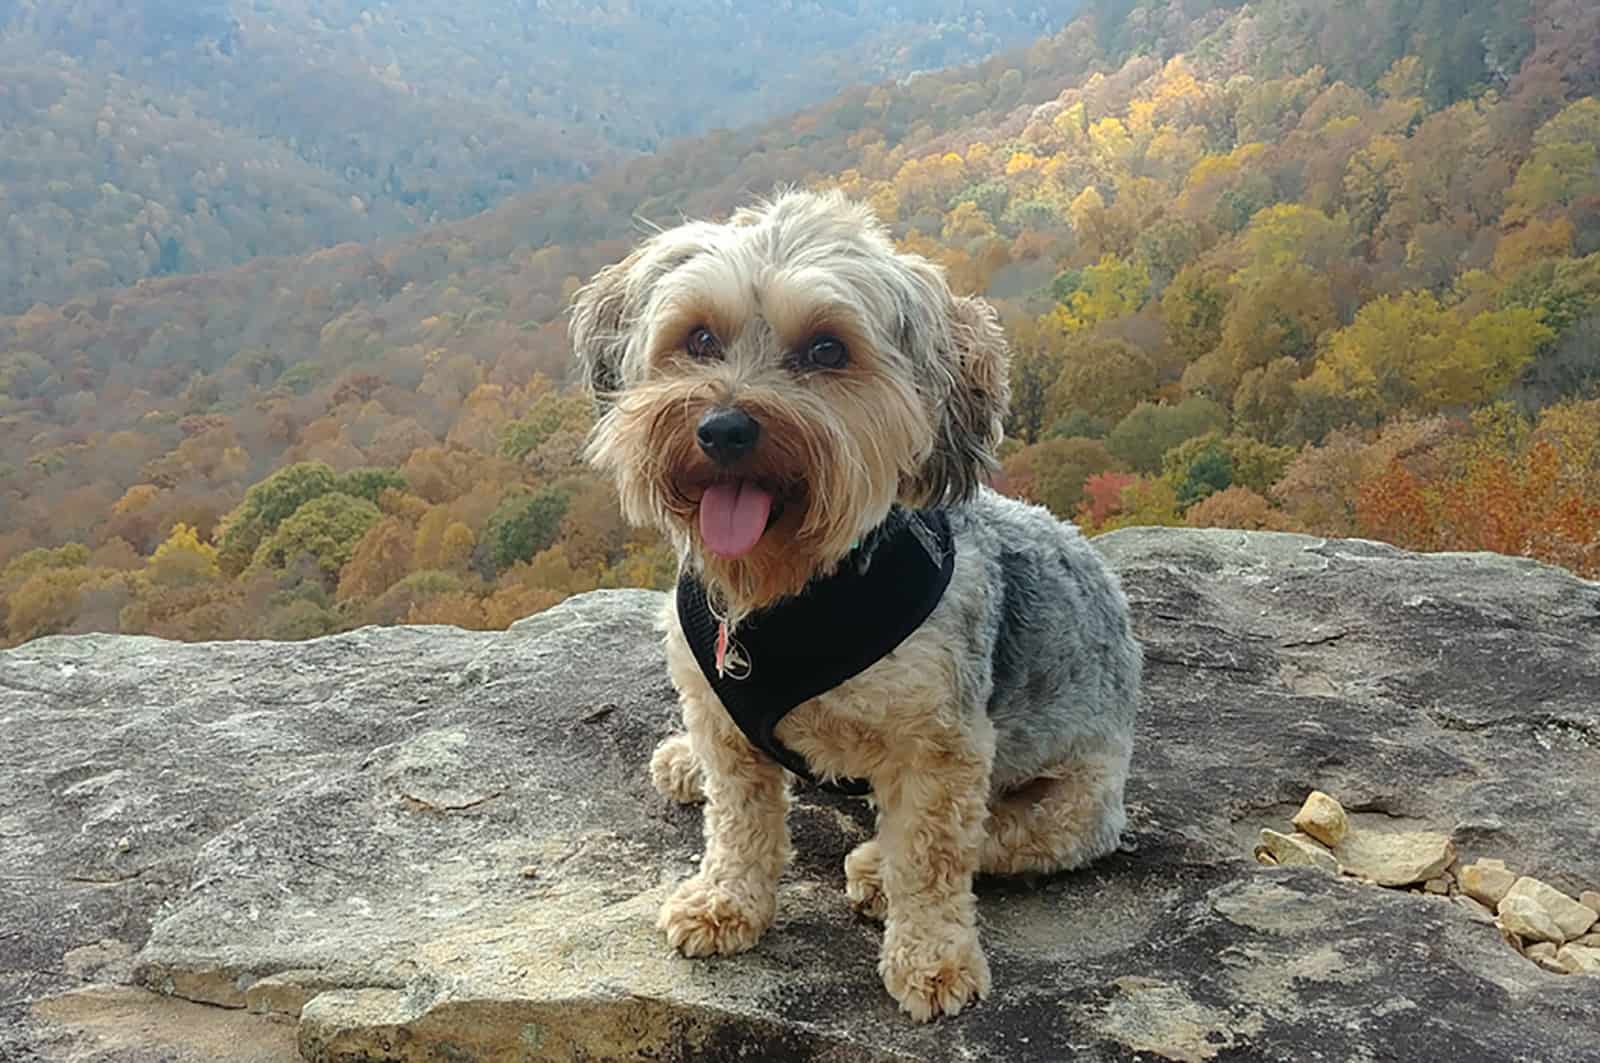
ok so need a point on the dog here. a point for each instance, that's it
(812, 418)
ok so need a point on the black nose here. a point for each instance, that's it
(727, 434)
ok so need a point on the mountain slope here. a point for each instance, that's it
(1238, 295)
(165, 136)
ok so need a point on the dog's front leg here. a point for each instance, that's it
(726, 906)
(933, 803)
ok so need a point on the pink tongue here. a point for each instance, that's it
(733, 516)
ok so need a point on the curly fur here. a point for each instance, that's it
(997, 737)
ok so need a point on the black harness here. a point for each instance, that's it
(834, 629)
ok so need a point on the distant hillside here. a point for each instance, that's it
(143, 138)
(1244, 288)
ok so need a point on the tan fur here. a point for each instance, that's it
(913, 417)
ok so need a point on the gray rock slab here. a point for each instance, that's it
(429, 844)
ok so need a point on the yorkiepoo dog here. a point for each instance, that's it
(811, 416)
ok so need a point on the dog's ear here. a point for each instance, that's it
(972, 370)
(599, 329)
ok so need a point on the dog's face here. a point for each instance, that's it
(769, 387)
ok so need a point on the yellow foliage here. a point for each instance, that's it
(183, 559)
(1021, 162)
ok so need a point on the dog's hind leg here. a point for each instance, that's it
(1067, 816)
(675, 771)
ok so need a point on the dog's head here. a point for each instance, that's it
(769, 387)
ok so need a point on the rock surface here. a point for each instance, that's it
(440, 844)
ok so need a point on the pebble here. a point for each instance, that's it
(1440, 885)
(1487, 881)
(1575, 959)
(1323, 818)
(1589, 941)
(1590, 900)
(1526, 918)
(1395, 859)
(1298, 849)
(1570, 918)
(529, 871)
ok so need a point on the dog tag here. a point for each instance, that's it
(731, 661)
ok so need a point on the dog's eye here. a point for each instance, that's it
(827, 352)
(703, 344)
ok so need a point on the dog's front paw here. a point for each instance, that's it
(863, 880)
(704, 918)
(675, 771)
(933, 970)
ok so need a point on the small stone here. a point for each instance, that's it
(1323, 818)
(1542, 950)
(1264, 856)
(124, 844)
(1395, 859)
(1476, 911)
(1576, 959)
(1526, 917)
(1590, 900)
(1298, 849)
(529, 871)
(1570, 918)
(1486, 881)
(1440, 885)
(1589, 941)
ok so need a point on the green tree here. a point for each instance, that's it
(327, 529)
(266, 505)
(370, 483)
(1145, 435)
(522, 525)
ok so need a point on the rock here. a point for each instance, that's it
(1486, 881)
(1570, 918)
(1395, 858)
(1291, 849)
(1578, 959)
(1440, 885)
(1591, 941)
(340, 824)
(1323, 818)
(1590, 900)
(1542, 950)
(1475, 911)
(1528, 919)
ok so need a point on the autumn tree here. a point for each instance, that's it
(381, 558)
(1103, 377)
(1411, 352)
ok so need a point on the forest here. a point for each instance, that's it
(145, 138)
(1330, 268)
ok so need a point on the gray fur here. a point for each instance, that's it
(1046, 648)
